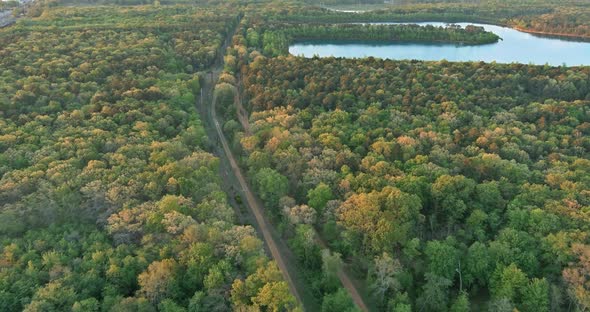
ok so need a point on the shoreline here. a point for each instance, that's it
(552, 34)
(378, 42)
(496, 23)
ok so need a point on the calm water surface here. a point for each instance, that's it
(516, 46)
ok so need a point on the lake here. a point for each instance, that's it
(516, 47)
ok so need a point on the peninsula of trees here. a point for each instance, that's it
(277, 38)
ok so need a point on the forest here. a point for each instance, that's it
(436, 186)
(462, 184)
(557, 17)
(443, 186)
(109, 198)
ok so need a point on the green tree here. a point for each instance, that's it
(86, 305)
(535, 296)
(224, 95)
(452, 197)
(253, 37)
(54, 296)
(168, 305)
(331, 265)
(319, 196)
(305, 247)
(271, 186)
(501, 305)
(477, 267)
(338, 301)
(508, 282)
(435, 293)
(443, 258)
(461, 303)
(133, 304)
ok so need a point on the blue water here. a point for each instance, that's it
(516, 47)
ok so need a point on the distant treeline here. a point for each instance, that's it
(568, 18)
(414, 13)
(7, 5)
(108, 200)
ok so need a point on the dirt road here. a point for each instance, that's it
(255, 208)
(264, 226)
(278, 250)
(347, 283)
(207, 109)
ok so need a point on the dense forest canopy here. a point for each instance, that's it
(437, 186)
(443, 185)
(434, 164)
(109, 201)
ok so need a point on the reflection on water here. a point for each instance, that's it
(516, 47)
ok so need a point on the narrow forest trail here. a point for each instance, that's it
(256, 208)
(343, 276)
(347, 282)
(236, 183)
(277, 248)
